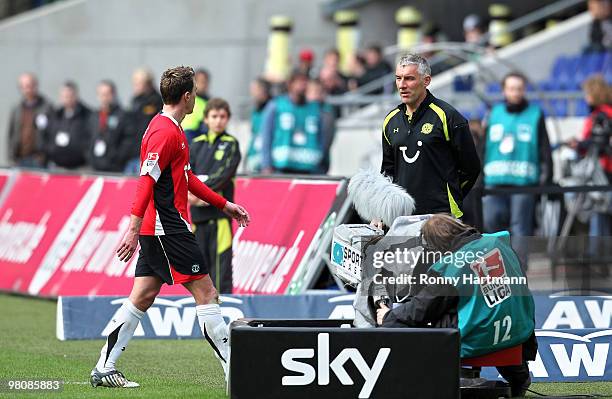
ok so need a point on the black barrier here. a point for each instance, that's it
(276, 359)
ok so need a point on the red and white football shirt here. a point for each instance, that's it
(164, 155)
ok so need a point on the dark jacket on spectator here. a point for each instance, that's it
(373, 73)
(27, 126)
(107, 130)
(69, 137)
(143, 108)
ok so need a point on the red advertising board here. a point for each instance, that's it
(286, 215)
(59, 234)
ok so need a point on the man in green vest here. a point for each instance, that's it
(516, 154)
(477, 286)
(291, 131)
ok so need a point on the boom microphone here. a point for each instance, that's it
(376, 197)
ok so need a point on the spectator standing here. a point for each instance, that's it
(27, 124)
(600, 32)
(315, 96)
(291, 131)
(596, 135)
(69, 131)
(107, 126)
(305, 62)
(145, 104)
(473, 29)
(193, 122)
(214, 158)
(516, 154)
(375, 68)
(332, 79)
(261, 95)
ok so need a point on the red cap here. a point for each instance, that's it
(306, 55)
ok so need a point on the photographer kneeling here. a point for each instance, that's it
(482, 291)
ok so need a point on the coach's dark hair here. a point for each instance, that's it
(217, 104)
(175, 82)
(514, 74)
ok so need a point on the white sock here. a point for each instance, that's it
(124, 324)
(215, 331)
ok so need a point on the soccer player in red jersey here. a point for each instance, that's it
(168, 250)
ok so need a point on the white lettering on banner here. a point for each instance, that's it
(19, 240)
(601, 317)
(95, 250)
(66, 237)
(565, 314)
(177, 315)
(342, 311)
(307, 372)
(537, 367)
(570, 357)
(570, 365)
(182, 323)
(262, 267)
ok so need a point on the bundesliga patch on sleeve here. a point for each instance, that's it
(150, 165)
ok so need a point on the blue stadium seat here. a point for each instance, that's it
(582, 109)
(493, 88)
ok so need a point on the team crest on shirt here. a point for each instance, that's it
(427, 128)
(195, 268)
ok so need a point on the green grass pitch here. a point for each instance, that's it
(164, 368)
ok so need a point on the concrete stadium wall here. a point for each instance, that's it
(88, 40)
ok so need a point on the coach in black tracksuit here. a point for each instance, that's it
(427, 145)
(214, 157)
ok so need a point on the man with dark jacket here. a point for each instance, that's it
(27, 125)
(107, 125)
(146, 103)
(214, 158)
(427, 145)
(69, 133)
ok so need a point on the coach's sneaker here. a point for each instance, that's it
(111, 379)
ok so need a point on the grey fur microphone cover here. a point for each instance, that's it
(375, 197)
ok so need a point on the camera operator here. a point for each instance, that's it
(474, 307)
(596, 135)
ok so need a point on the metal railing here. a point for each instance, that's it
(464, 52)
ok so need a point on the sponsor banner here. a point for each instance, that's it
(570, 356)
(564, 355)
(573, 312)
(286, 215)
(175, 316)
(31, 218)
(58, 234)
